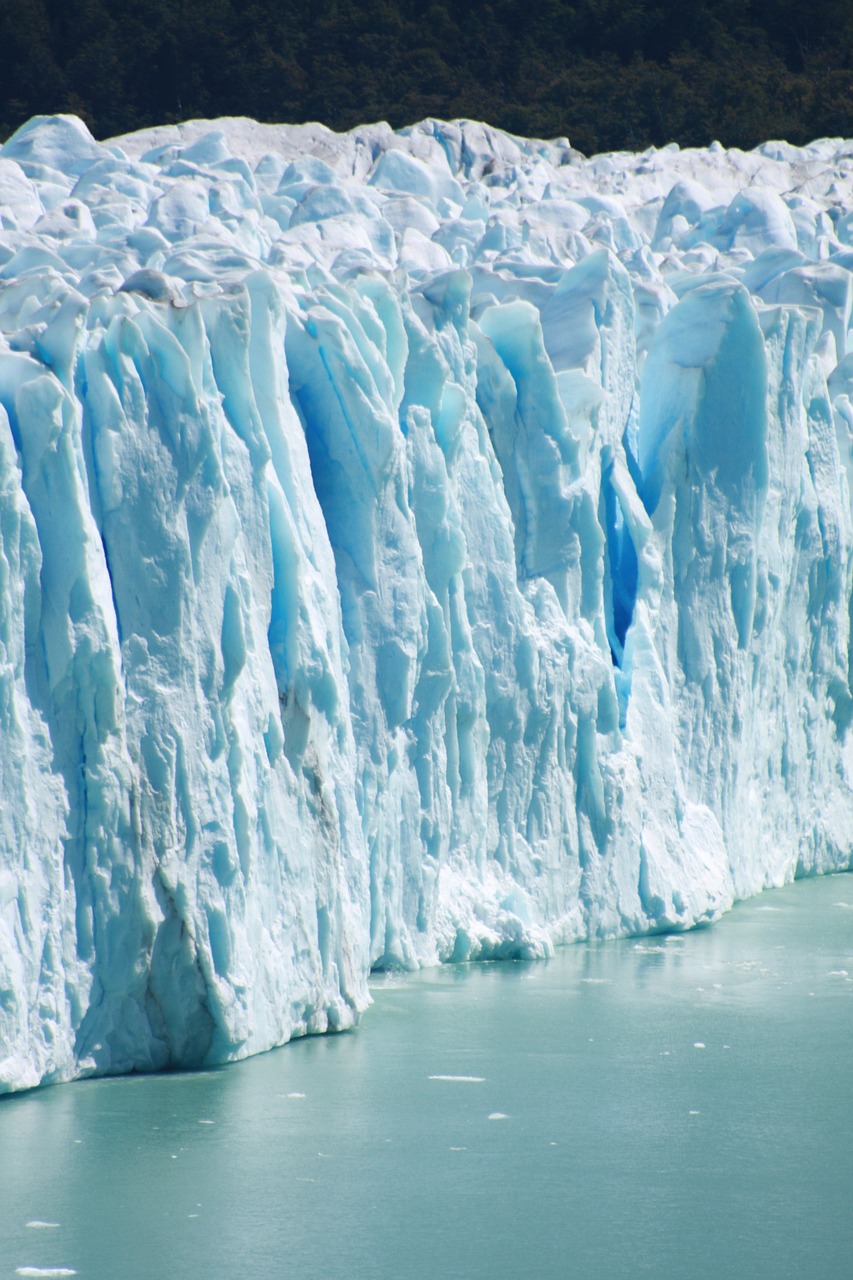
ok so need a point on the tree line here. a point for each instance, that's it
(610, 74)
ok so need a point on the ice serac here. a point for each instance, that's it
(414, 546)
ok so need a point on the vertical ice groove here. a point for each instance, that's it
(414, 546)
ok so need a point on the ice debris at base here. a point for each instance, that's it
(413, 546)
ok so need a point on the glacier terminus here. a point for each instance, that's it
(415, 546)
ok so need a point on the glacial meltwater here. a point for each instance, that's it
(674, 1106)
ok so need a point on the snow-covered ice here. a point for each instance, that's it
(414, 546)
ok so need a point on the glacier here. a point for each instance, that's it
(415, 546)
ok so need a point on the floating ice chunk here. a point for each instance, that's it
(460, 1079)
(44, 1271)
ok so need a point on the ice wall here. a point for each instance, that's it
(413, 546)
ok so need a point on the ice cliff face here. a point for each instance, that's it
(413, 546)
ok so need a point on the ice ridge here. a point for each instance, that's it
(414, 546)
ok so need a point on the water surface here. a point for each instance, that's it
(668, 1107)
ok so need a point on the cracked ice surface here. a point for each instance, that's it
(413, 546)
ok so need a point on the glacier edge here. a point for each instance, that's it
(414, 547)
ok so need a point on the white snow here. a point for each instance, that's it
(414, 546)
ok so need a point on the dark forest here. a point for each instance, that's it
(610, 74)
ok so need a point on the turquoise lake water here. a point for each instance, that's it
(667, 1107)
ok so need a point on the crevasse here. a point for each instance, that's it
(414, 546)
